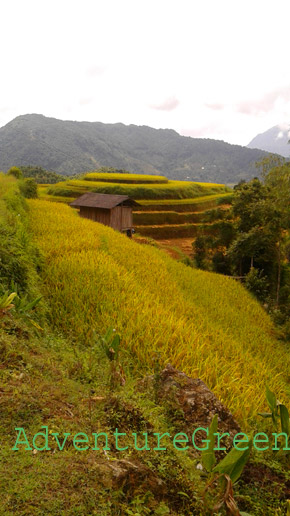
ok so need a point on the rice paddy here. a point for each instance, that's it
(148, 190)
(124, 178)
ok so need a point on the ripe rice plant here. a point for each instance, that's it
(198, 203)
(169, 190)
(175, 230)
(124, 178)
(154, 218)
(205, 324)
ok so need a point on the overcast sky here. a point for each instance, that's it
(206, 68)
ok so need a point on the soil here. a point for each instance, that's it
(184, 244)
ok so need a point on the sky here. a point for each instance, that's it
(206, 68)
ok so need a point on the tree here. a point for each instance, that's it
(28, 188)
(16, 172)
(263, 219)
(277, 181)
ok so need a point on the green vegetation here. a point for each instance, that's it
(16, 250)
(255, 244)
(15, 172)
(28, 188)
(40, 175)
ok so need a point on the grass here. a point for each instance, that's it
(205, 324)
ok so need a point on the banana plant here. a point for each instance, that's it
(110, 343)
(226, 472)
(279, 415)
(6, 303)
(232, 464)
(23, 306)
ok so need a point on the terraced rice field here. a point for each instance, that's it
(205, 324)
(167, 209)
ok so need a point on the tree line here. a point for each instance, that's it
(252, 243)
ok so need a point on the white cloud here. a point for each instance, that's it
(168, 104)
(96, 70)
(209, 68)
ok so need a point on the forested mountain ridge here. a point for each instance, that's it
(69, 147)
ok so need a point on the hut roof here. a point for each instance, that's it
(105, 201)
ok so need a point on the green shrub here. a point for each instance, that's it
(257, 283)
(28, 188)
(16, 172)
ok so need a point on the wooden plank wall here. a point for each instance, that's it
(127, 217)
(118, 218)
(96, 214)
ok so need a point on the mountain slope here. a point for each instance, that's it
(74, 147)
(274, 140)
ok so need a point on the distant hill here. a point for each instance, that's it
(73, 147)
(274, 140)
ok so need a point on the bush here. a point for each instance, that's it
(28, 188)
(221, 263)
(258, 284)
(16, 172)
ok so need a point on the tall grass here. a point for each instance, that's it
(204, 324)
(18, 257)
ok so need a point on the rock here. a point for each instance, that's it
(129, 474)
(193, 404)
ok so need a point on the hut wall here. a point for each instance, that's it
(116, 218)
(127, 217)
(96, 214)
(119, 218)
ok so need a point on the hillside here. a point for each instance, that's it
(273, 140)
(59, 378)
(187, 315)
(74, 147)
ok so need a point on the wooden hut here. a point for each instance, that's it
(112, 210)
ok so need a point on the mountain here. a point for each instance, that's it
(274, 140)
(72, 147)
